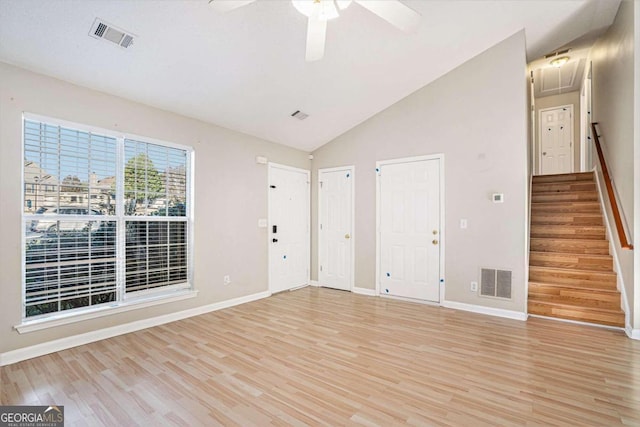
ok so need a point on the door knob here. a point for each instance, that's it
(544, 153)
(435, 242)
(347, 236)
(274, 240)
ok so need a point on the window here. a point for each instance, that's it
(106, 218)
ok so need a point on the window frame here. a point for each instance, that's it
(124, 301)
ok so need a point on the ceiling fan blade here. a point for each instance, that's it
(394, 12)
(223, 6)
(316, 34)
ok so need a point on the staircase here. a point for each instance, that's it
(570, 270)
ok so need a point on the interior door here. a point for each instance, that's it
(555, 140)
(335, 227)
(409, 229)
(289, 218)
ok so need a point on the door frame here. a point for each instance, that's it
(352, 170)
(379, 164)
(270, 166)
(571, 130)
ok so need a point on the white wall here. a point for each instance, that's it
(477, 116)
(569, 98)
(230, 195)
(613, 108)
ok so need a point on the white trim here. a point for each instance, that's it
(539, 142)
(364, 291)
(124, 301)
(25, 353)
(613, 249)
(498, 312)
(411, 300)
(352, 172)
(112, 133)
(527, 239)
(314, 283)
(307, 172)
(81, 315)
(634, 334)
(441, 163)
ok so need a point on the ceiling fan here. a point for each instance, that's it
(320, 11)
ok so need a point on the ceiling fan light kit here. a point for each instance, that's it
(320, 11)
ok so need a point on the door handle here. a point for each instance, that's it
(274, 240)
(544, 153)
(435, 242)
(347, 236)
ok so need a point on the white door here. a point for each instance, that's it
(288, 227)
(556, 134)
(335, 228)
(409, 229)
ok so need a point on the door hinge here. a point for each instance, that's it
(320, 226)
(320, 268)
(320, 184)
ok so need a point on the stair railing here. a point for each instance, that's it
(612, 197)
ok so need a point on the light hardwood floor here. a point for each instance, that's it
(325, 357)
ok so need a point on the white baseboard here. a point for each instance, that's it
(634, 334)
(14, 356)
(364, 291)
(314, 283)
(509, 314)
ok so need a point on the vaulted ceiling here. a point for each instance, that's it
(245, 69)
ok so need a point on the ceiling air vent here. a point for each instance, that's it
(558, 53)
(299, 115)
(105, 31)
(495, 283)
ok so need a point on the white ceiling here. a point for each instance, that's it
(245, 70)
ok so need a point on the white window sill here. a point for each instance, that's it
(107, 310)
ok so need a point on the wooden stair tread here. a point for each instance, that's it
(563, 186)
(564, 177)
(563, 260)
(573, 277)
(566, 206)
(574, 270)
(601, 306)
(563, 288)
(567, 245)
(569, 196)
(577, 314)
(594, 287)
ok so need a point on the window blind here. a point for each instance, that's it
(103, 216)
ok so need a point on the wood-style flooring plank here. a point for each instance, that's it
(325, 357)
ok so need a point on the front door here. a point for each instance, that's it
(556, 134)
(409, 228)
(335, 227)
(288, 227)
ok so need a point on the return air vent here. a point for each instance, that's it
(299, 115)
(495, 283)
(105, 31)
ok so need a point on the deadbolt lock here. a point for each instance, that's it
(347, 236)
(435, 232)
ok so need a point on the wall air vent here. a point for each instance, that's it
(299, 115)
(105, 31)
(495, 283)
